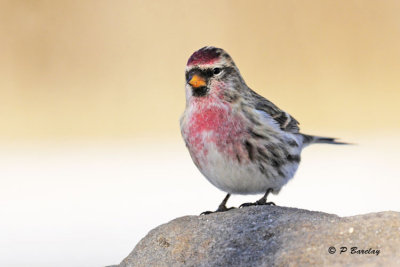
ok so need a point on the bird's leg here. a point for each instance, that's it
(221, 208)
(261, 201)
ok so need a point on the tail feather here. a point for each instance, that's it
(311, 139)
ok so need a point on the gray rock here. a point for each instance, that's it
(271, 236)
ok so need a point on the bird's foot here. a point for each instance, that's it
(220, 209)
(257, 203)
(262, 201)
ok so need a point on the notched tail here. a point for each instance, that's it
(311, 139)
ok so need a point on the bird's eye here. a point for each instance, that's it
(216, 71)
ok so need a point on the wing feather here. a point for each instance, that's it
(285, 121)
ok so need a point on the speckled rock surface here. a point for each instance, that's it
(272, 236)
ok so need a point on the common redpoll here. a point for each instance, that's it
(241, 142)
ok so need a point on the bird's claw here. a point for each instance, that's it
(256, 204)
(220, 209)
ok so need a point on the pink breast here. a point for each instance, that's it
(215, 124)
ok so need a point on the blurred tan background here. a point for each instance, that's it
(112, 69)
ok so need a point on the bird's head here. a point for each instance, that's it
(211, 71)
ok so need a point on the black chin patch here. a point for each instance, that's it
(200, 91)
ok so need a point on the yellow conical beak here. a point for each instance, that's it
(197, 81)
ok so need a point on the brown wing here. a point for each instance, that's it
(285, 121)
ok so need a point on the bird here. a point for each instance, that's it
(240, 141)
